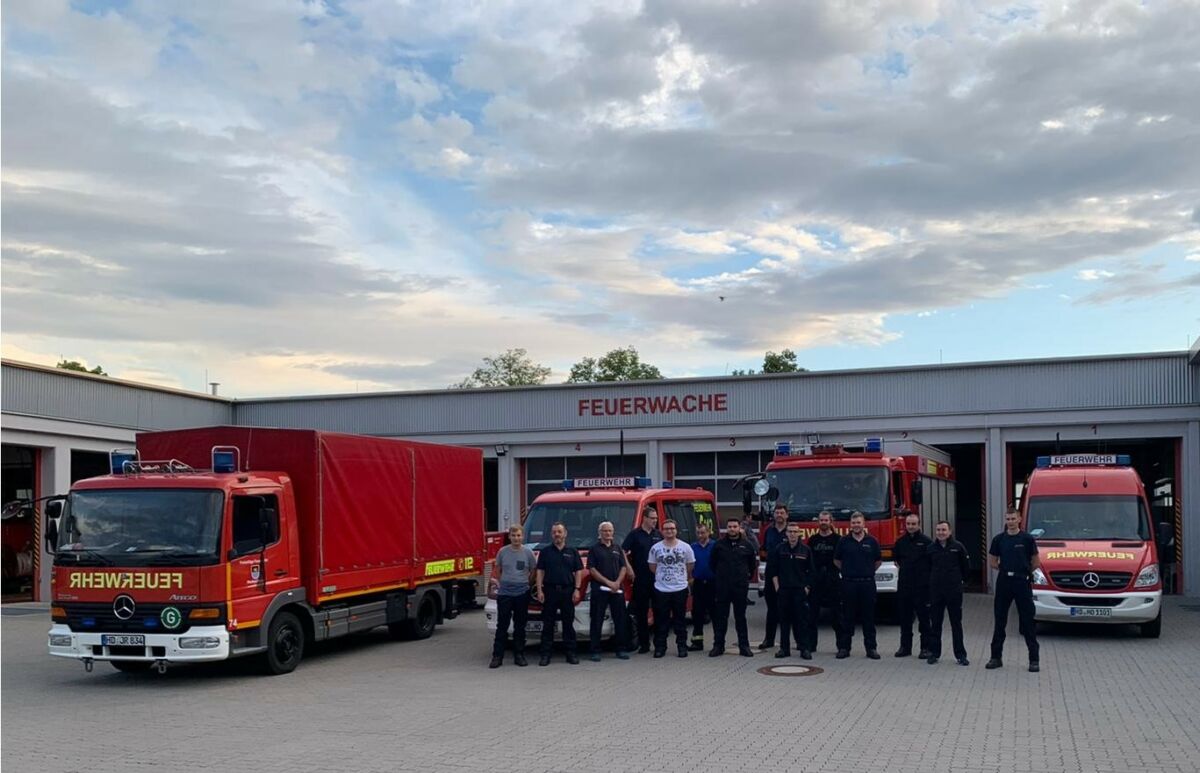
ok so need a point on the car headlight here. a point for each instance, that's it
(60, 640)
(198, 642)
(1147, 577)
(1039, 577)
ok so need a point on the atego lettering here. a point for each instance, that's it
(647, 406)
(127, 580)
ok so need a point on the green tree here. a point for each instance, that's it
(618, 365)
(79, 367)
(512, 368)
(783, 362)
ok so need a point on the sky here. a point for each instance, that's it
(361, 195)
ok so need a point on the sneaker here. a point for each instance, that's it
(932, 660)
(520, 660)
(994, 663)
(622, 655)
(842, 654)
(873, 654)
(544, 660)
(782, 654)
(766, 645)
(745, 652)
(904, 653)
(594, 657)
(717, 651)
(572, 658)
(963, 662)
(496, 663)
(1034, 666)
(697, 645)
(805, 655)
(660, 653)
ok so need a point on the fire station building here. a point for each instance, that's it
(992, 419)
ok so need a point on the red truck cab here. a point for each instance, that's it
(1099, 559)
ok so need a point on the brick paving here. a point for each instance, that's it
(1106, 700)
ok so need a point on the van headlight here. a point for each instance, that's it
(1147, 577)
(198, 642)
(1039, 577)
(60, 640)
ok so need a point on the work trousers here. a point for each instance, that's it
(670, 611)
(704, 593)
(514, 610)
(643, 598)
(1012, 589)
(912, 602)
(727, 597)
(858, 608)
(946, 602)
(826, 593)
(793, 618)
(612, 602)
(558, 609)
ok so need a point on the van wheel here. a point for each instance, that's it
(285, 645)
(421, 626)
(1152, 629)
(132, 666)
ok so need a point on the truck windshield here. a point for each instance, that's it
(582, 520)
(841, 490)
(1088, 517)
(133, 526)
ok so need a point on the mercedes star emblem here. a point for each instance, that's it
(1091, 580)
(123, 607)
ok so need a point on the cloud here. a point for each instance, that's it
(1092, 274)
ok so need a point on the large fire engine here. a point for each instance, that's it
(884, 486)
(1099, 560)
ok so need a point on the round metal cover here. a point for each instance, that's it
(790, 670)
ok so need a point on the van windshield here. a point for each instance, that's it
(1088, 517)
(582, 520)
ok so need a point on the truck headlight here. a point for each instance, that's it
(1147, 577)
(60, 640)
(1039, 577)
(198, 642)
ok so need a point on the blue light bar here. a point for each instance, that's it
(874, 445)
(1043, 462)
(783, 448)
(89, 622)
(117, 461)
(668, 484)
(149, 622)
(224, 461)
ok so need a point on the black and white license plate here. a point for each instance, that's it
(1090, 612)
(123, 640)
(533, 626)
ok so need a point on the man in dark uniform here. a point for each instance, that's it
(948, 568)
(772, 536)
(857, 557)
(791, 571)
(734, 559)
(1014, 553)
(637, 546)
(559, 573)
(912, 589)
(703, 589)
(608, 568)
(826, 590)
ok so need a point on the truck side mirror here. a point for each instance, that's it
(915, 494)
(51, 533)
(747, 499)
(1165, 534)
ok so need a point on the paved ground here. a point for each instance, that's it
(1106, 700)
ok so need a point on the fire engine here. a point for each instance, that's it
(1099, 560)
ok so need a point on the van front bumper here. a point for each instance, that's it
(1120, 608)
(533, 625)
(197, 645)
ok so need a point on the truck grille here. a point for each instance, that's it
(99, 618)
(1089, 601)
(1108, 580)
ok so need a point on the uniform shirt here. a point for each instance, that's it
(607, 560)
(733, 562)
(823, 547)
(703, 571)
(671, 574)
(514, 570)
(912, 558)
(858, 557)
(948, 564)
(559, 565)
(1015, 551)
(637, 544)
(770, 541)
(792, 564)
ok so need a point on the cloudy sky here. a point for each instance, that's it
(298, 197)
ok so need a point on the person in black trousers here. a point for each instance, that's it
(559, 573)
(772, 536)
(637, 546)
(826, 584)
(734, 559)
(608, 568)
(703, 588)
(948, 568)
(857, 557)
(912, 589)
(791, 572)
(1014, 554)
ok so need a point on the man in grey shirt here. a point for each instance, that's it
(513, 572)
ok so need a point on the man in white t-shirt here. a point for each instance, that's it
(671, 561)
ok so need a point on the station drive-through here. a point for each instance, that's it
(1106, 700)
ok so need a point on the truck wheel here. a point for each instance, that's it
(421, 626)
(285, 645)
(1152, 629)
(132, 666)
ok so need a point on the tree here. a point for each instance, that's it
(79, 367)
(784, 362)
(512, 368)
(618, 365)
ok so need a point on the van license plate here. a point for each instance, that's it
(533, 626)
(123, 640)
(1090, 612)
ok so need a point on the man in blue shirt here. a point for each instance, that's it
(703, 589)
(857, 557)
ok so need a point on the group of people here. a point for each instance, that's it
(803, 577)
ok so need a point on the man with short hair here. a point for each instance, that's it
(948, 568)
(911, 553)
(1014, 554)
(826, 582)
(512, 572)
(857, 557)
(608, 568)
(734, 560)
(637, 546)
(672, 562)
(559, 574)
(790, 569)
(703, 589)
(774, 534)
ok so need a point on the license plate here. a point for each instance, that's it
(533, 626)
(123, 640)
(1090, 612)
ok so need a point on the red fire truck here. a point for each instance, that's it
(248, 541)
(884, 486)
(1091, 519)
(585, 503)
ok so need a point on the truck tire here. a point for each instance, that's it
(132, 666)
(1152, 629)
(285, 645)
(421, 626)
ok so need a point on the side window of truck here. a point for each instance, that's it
(684, 515)
(247, 531)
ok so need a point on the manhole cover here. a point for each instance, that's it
(790, 670)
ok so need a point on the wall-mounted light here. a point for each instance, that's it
(501, 449)
(812, 439)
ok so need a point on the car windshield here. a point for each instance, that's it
(582, 520)
(121, 525)
(1088, 517)
(841, 490)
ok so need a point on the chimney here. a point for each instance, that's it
(213, 385)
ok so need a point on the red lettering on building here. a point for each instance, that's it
(649, 406)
